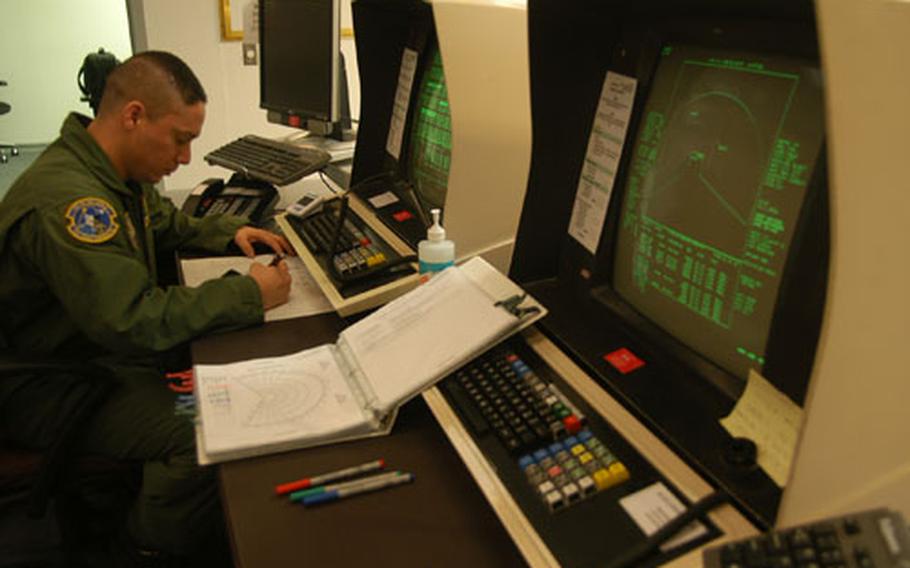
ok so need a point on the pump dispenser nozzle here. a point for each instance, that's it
(436, 232)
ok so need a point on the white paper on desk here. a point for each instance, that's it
(306, 299)
(407, 343)
(771, 420)
(272, 401)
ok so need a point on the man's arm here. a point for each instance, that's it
(106, 288)
(245, 237)
(174, 229)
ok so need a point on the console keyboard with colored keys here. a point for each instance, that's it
(356, 250)
(523, 410)
(567, 470)
(561, 458)
(571, 469)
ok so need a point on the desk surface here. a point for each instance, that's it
(441, 519)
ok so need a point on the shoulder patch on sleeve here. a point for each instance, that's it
(92, 220)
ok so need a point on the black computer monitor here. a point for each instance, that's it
(404, 140)
(302, 75)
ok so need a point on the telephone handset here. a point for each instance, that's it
(243, 196)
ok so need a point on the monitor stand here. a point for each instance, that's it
(339, 149)
(340, 130)
(337, 138)
(331, 130)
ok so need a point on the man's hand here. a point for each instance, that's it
(274, 283)
(246, 236)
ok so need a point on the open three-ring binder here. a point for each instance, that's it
(354, 387)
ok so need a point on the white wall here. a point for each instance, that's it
(486, 43)
(853, 452)
(192, 30)
(42, 45)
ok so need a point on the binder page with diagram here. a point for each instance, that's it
(353, 389)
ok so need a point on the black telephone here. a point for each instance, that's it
(247, 197)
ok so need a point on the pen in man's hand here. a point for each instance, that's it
(278, 258)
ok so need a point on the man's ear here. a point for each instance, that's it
(133, 112)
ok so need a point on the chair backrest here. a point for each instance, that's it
(92, 76)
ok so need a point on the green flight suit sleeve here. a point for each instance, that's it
(175, 230)
(107, 289)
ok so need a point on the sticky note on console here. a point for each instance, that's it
(770, 419)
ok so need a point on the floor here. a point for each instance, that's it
(26, 542)
(17, 164)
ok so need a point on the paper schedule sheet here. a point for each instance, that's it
(306, 299)
(605, 146)
(423, 332)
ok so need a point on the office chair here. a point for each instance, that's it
(88, 493)
(6, 149)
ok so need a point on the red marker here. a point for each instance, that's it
(285, 488)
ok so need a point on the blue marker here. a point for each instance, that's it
(372, 484)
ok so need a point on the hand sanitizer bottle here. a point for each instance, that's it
(435, 253)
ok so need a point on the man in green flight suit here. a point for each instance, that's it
(80, 232)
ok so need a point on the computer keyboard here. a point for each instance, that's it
(354, 251)
(869, 539)
(562, 460)
(269, 160)
(504, 395)
(347, 248)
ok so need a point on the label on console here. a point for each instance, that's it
(653, 507)
(605, 145)
(624, 360)
(402, 101)
(383, 199)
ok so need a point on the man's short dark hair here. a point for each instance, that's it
(186, 82)
(153, 77)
